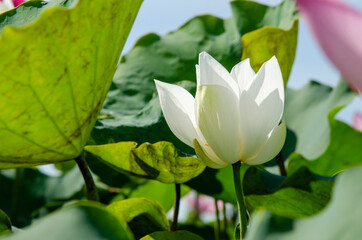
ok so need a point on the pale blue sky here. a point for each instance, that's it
(163, 16)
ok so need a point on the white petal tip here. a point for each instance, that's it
(160, 83)
(204, 56)
(273, 59)
(203, 53)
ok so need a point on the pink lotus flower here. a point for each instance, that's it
(338, 29)
(203, 203)
(6, 5)
(17, 2)
(357, 121)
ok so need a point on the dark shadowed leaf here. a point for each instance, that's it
(143, 216)
(5, 224)
(340, 219)
(34, 190)
(301, 194)
(177, 235)
(107, 174)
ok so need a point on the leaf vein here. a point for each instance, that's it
(31, 141)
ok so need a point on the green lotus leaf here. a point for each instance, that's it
(109, 175)
(262, 44)
(300, 195)
(306, 114)
(142, 215)
(55, 77)
(331, 224)
(5, 224)
(176, 235)
(82, 221)
(344, 150)
(164, 196)
(250, 15)
(159, 161)
(29, 11)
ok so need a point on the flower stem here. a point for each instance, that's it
(240, 198)
(197, 210)
(218, 225)
(15, 195)
(88, 179)
(280, 162)
(225, 222)
(176, 206)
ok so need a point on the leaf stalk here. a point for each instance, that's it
(176, 207)
(218, 225)
(280, 162)
(88, 179)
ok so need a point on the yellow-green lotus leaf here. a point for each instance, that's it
(54, 75)
(262, 44)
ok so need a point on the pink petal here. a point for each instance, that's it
(17, 2)
(338, 29)
(204, 203)
(357, 121)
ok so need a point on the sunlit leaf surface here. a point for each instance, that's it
(159, 161)
(262, 44)
(165, 193)
(55, 76)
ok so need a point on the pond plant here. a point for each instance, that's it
(205, 109)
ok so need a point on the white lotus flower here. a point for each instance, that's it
(234, 117)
